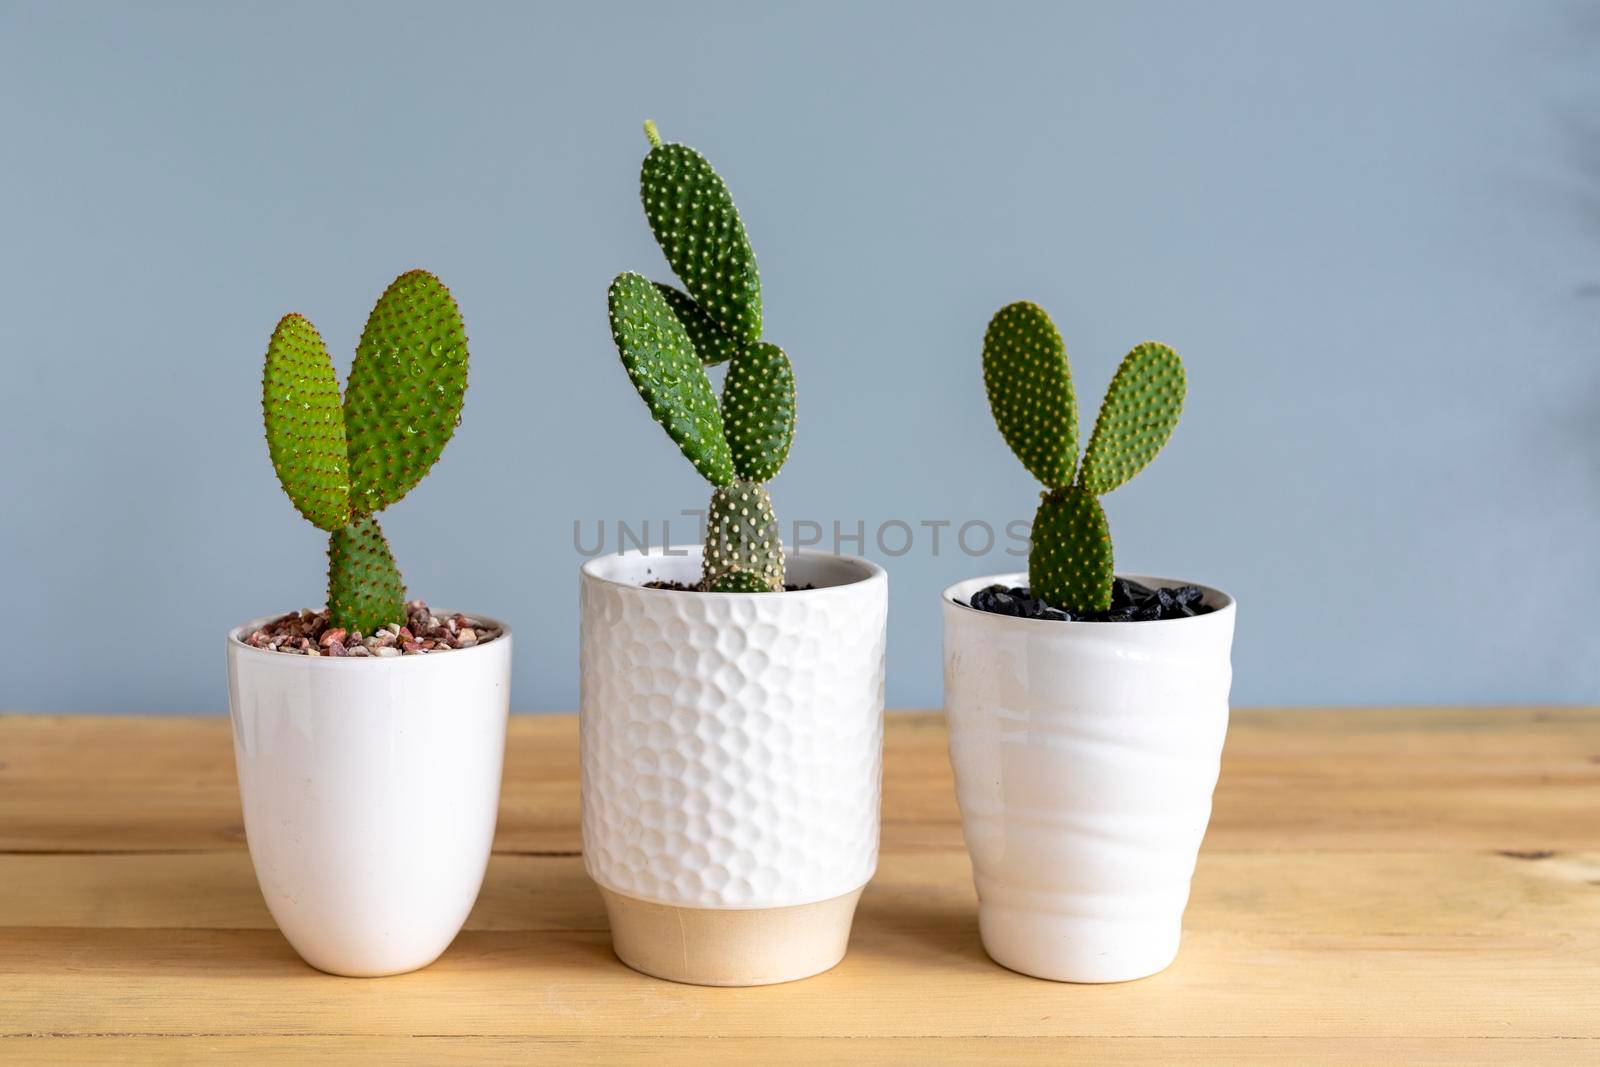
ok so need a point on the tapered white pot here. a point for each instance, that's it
(370, 789)
(732, 762)
(1085, 755)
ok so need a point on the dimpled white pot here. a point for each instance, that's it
(732, 763)
(1085, 756)
(370, 789)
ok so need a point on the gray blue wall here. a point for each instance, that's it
(1371, 229)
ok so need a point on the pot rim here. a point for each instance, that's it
(1227, 605)
(870, 572)
(234, 641)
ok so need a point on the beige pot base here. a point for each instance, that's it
(730, 947)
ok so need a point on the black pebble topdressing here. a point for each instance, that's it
(1130, 602)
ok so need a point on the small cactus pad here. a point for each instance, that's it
(1069, 562)
(758, 410)
(405, 390)
(711, 342)
(1136, 418)
(697, 226)
(661, 360)
(742, 537)
(1030, 391)
(305, 424)
(364, 588)
(740, 582)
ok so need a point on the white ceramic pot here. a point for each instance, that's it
(732, 763)
(370, 789)
(1085, 756)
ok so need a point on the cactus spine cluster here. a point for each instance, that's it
(342, 461)
(667, 337)
(1030, 395)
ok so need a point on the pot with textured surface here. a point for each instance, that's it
(732, 752)
(1085, 755)
(370, 790)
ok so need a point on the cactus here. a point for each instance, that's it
(667, 337)
(661, 360)
(342, 462)
(758, 410)
(742, 545)
(1029, 383)
(364, 587)
(698, 228)
(711, 342)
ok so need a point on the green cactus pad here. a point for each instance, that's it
(405, 390)
(1069, 562)
(741, 582)
(305, 424)
(758, 410)
(364, 588)
(711, 342)
(661, 360)
(1030, 391)
(742, 537)
(697, 226)
(1136, 418)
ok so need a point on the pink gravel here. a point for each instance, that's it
(306, 633)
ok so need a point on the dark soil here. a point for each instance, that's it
(1130, 602)
(679, 587)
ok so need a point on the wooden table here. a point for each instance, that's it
(1377, 886)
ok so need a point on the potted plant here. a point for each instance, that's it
(368, 736)
(732, 698)
(1087, 710)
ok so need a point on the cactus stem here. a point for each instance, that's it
(651, 132)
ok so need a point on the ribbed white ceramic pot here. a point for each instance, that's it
(732, 751)
(370, 789)
(1085, 756)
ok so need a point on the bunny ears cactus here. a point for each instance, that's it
(668, 336)
(1029, 383)
(343, 461)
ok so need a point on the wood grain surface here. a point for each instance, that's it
(1378, 886)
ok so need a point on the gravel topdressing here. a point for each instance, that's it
(1131, 601)
(307, 633)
